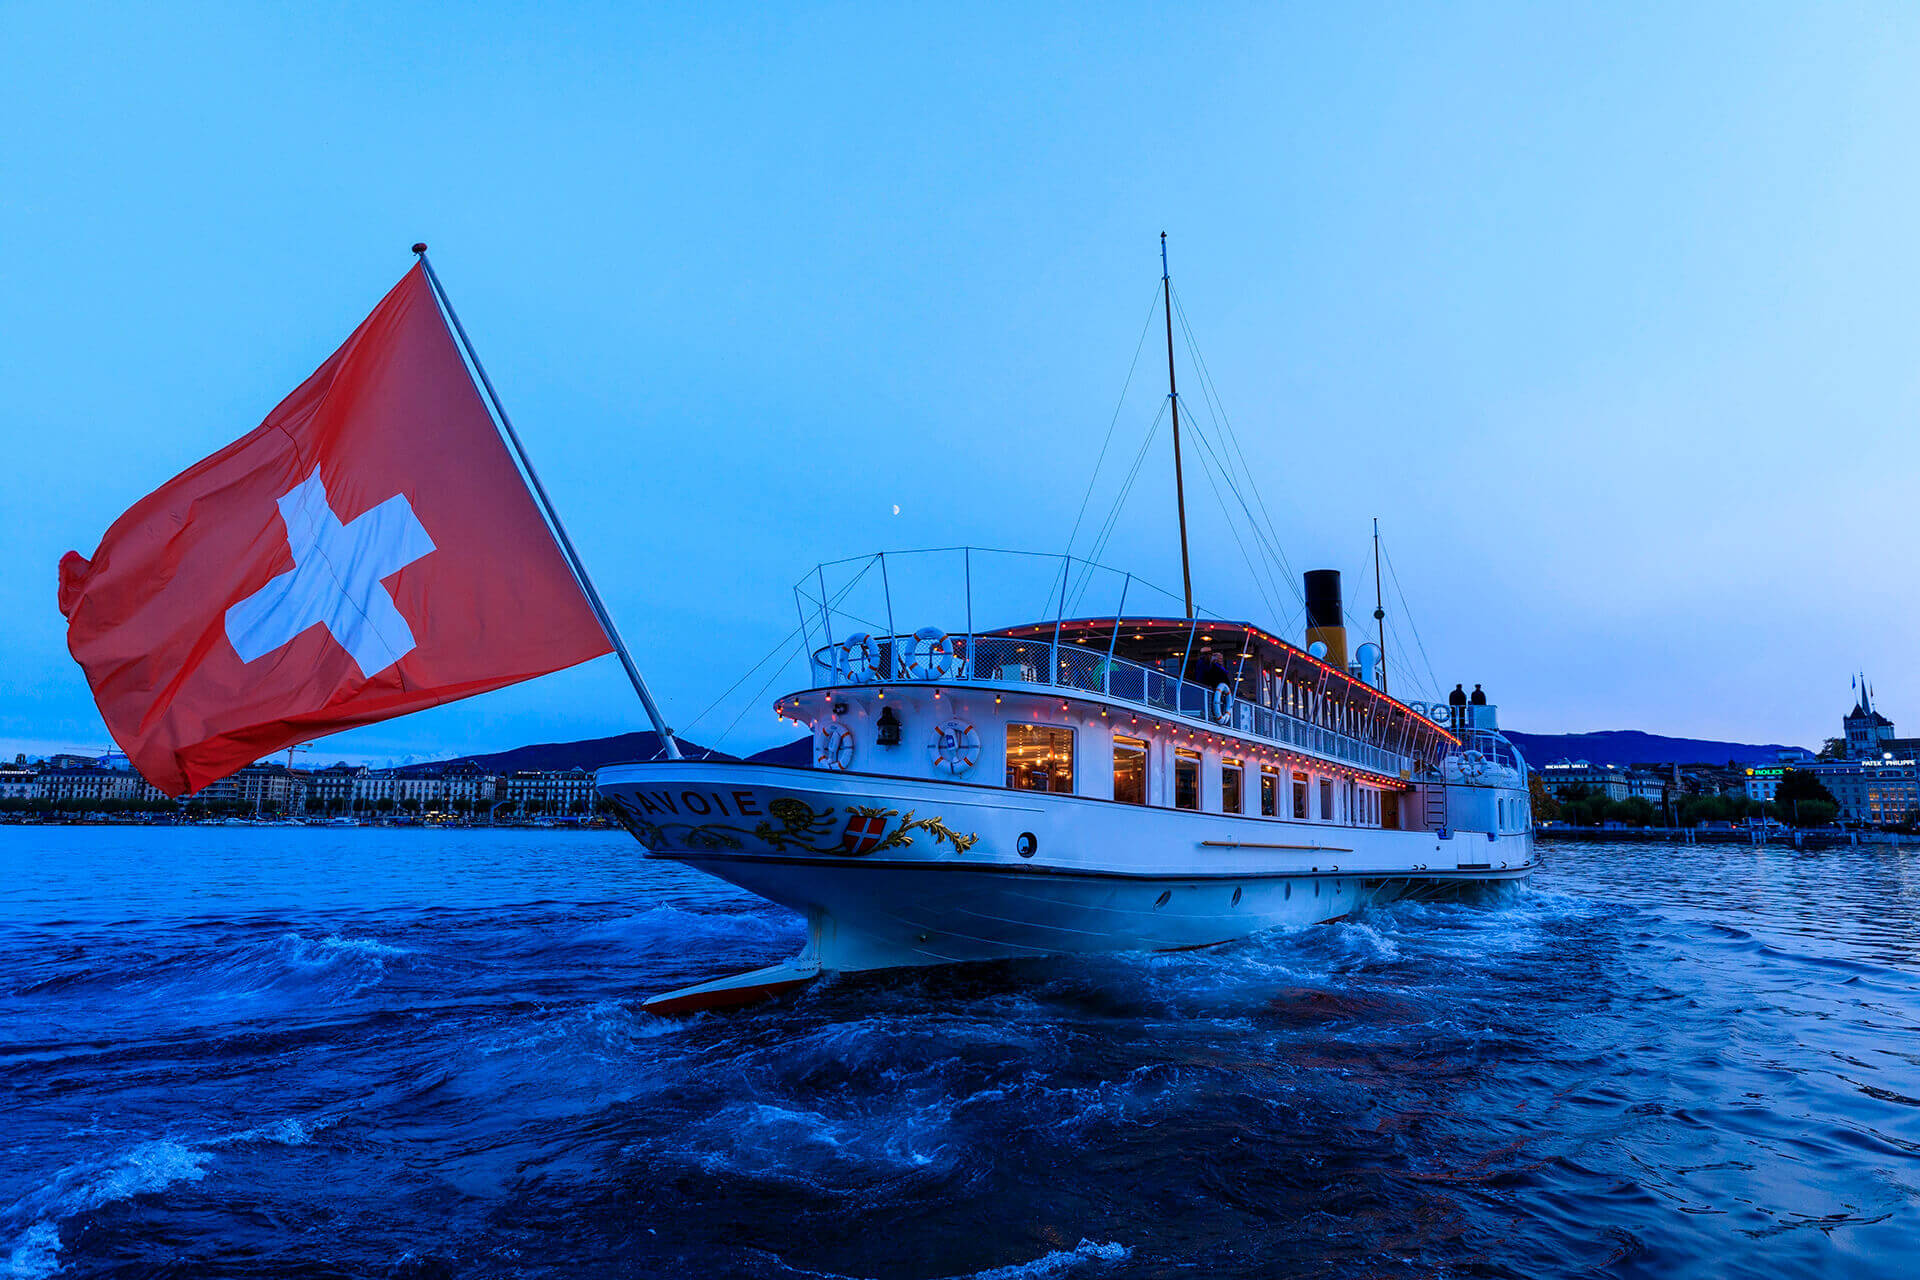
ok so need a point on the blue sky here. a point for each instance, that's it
(1609, 313)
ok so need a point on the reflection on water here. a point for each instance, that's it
(357, 1052)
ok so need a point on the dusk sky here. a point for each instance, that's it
(1609, 314)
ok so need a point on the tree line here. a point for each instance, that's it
(1801, 800)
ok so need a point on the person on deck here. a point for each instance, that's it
(1456, 704)
(1479, 698)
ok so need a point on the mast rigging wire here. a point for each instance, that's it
(1394, 574)
(1208, 463)
(1223, 462)
(1114, 421)
(1213, 393)
(1119, 502)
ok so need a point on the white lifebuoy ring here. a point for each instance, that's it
(929, 655)
(858, 658)
(1220, 703)
(954, 748)
(1473, 765)
(833, 747)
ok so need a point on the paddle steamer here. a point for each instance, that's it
(1114, 782)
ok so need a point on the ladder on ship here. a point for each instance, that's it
(1435, 798)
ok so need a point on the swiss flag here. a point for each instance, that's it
(368, 550)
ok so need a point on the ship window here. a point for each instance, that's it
(1269, 793)
(1326, 799)
(1231, 774)
(1299, 795)
(1039, 758)
(1186, 779)
(1129, 770)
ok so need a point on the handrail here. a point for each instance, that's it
(935, 659)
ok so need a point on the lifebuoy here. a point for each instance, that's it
(858, 658)
(929, 655)
(833, 747)
(1220, 703)
(1473, 765)
(954, 748)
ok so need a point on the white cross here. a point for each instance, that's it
(335, 580)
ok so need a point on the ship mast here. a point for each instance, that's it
(1173, 395)
(1379, 612)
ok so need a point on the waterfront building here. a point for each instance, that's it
(1650, 785)
(18, 782)
(1609, 780)
(1713, 780)
(411, 789)
(1763, 781)
(332, 790)
(270, 788)
(464, 784)
(1880, 792)
(78, 785)
(532, 791)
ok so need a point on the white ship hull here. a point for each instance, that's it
(893, 872)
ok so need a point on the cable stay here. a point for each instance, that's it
(1093, 479)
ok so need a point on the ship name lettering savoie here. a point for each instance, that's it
(698, 804)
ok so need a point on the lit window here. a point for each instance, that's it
(1299, 795)
(1129, 770)
(1326, 799)
(1231, 774)
(1186, 779)
(1269, 793)
(1039, 758)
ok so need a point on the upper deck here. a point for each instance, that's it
(1229, 678)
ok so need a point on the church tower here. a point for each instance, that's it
(1868, 732)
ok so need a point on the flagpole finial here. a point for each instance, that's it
(421, 247)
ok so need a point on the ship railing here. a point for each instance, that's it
(1003, 660)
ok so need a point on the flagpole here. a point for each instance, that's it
(587, 588)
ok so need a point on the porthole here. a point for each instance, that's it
(1166, 896)
(1027, 845)
(1236, 898)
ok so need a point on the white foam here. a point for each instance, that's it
(143, 1169)
(80, 1188)
(318, 953)
(36, 1254)
(1057, 1263)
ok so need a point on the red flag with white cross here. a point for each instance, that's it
(368, 550)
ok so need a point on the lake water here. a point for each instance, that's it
(311, 1052)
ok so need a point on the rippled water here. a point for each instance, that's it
(284, 1052)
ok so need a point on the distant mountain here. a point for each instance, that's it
(589, 754)
(1630, 746)
(797, 752)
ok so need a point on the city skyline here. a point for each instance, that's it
(1619, 357)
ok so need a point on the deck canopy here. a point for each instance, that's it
(1256, 664)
